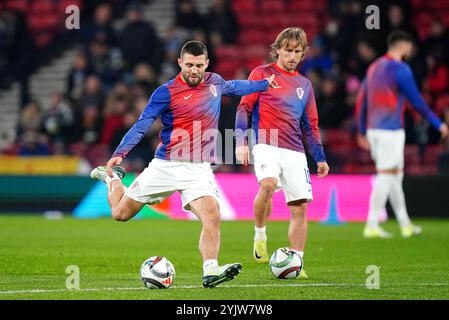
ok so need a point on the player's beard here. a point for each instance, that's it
(191, 82)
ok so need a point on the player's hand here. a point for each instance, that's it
(112, 162)
(272, 82)
(242, 155)
(323, 169)
(444, 130)
(363, 142)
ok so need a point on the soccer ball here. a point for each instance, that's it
(157, 273)
(285, 263)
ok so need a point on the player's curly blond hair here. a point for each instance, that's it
(290, 34)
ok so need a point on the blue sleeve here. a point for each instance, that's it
(407, 86)
(361, 107)
(310, 130)
(158, 103)
(243, 87)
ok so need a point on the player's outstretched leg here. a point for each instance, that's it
(206, 209)
(123, 208)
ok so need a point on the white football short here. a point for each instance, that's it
(164, 177)
(287, 166)
(387, 148)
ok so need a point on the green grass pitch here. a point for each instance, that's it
(34, 254)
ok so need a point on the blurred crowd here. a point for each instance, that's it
(115, 71)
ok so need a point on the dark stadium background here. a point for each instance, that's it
(72, 94)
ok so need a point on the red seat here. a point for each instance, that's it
(239, 6)
(251, 37)
(307, 5)
(43, 6)
(254, 62)
(272, 6)
(43, 39)
(431, 153)
(20, 5)
(254, 51)
(441, 104)
(411, 155)
(228, 52)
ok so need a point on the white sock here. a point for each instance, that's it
(378, 198)
(210, 266)
(301, 253)
(397, 200)
(260, 233)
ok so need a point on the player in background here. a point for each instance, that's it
(380, 107)
(189, 107)
(281, 118)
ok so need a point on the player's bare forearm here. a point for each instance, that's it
(363, 142)
(444, 130)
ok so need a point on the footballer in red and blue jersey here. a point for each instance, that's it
(287, 111)
(383, 93)
(187, 115)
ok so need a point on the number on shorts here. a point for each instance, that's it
(307, 173)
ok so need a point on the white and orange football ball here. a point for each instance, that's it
(157, 273)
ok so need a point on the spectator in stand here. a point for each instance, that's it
(222, 24)
(106, 63)
(329, 98)
(92, 93)
(139, 41)
(397, 20)
(366, 54)
(188, 17)
(113, 119)
(144, 81)
(32, 140)
(438, 40)
(99, 27)
(58, 120)
(30, 118)
(88, 126)
(137, 160)
(34, 144)
(16, 51)
(317, 58)
(77, 75)
(437, 76)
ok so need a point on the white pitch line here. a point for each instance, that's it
(225, 286)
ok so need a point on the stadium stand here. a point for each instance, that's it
(84, 90)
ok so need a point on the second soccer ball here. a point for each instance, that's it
(285, 263)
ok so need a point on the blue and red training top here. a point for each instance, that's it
(383, 93)
(282, 116)
(189, 117)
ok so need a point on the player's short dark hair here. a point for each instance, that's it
(195, 48)
(398, 36)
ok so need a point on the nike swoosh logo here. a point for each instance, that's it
(256, 255)
(187, 97)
